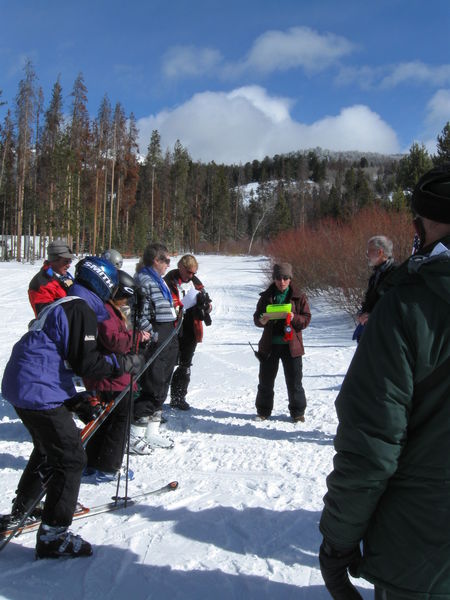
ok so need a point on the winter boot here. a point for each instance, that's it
(154, 437)
(18, 510)
(298, 418)
(158, 416)
(179, 403)
(95, 476)
(138, 443)
(59, 542)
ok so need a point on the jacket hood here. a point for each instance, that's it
(433, 267)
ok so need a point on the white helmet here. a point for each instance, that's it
(114, 257)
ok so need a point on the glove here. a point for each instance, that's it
(334, 565)
(151, 345)
(87, 408)
(130, 363)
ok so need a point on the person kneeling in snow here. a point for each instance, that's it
(42, 374)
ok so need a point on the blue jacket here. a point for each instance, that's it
(61, 344)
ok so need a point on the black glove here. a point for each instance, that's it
(87, 408)
(130, 363)
(151, 345)
(334, 565)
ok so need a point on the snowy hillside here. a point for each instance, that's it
(243, 523)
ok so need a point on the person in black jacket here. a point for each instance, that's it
(183, 284)
(380, 258)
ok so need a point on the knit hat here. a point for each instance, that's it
(282, 270)
(59, 249)
(431, 196)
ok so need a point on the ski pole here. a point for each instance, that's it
(88, 431)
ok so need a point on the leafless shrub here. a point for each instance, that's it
(330, 257)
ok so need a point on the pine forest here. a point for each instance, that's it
(66, 174)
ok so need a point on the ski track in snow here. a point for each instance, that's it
(244, 521)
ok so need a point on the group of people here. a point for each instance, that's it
(386, 515)
(79, 353)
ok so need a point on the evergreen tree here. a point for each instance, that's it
(101, 137)
(77, 203)
(7, 179)
(53, 161)
(413, 166)
(25, 113)
(443, 146)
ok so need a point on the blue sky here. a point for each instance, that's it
(239, 80)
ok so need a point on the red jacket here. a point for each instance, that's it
(46, 287)
(300, 320)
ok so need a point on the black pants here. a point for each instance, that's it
(182, 375)
(59, 456)
(293, 373)
(156, 380)
(106, 447)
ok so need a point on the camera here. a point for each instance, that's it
(203, 302)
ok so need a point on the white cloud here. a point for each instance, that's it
(417, 72)
(438, 114)
(189, 61)
(247, 124)
(390, 76)
(297, 47)
(439, 108)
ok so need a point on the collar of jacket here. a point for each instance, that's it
(294, 291)
(173, 276)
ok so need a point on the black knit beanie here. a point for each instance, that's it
(431, 196)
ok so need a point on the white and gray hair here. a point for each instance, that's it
(382, 242)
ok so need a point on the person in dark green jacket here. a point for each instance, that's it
(390, 486)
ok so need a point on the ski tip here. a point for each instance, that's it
(173, 485)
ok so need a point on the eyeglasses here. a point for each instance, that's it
(165, 259)
(283, 277)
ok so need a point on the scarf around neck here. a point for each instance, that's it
(161, 283)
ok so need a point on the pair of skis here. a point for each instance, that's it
(88, 431)
(82, 512)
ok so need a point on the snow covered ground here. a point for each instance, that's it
(244, 521)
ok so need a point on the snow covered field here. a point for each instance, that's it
(244, 522)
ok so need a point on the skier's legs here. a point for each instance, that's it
(156, 380)
(293, 373)
(56, 436)
(182, 375)
(268, 370)
(105, 449)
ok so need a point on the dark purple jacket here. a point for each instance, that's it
(301, 319)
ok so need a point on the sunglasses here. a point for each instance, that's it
(165, 259)
(283, 277)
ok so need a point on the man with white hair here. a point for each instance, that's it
(380, 258)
